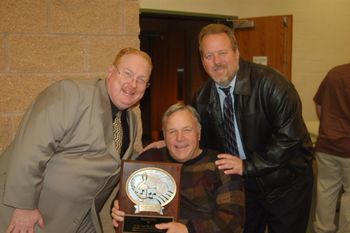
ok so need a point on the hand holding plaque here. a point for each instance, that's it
(148, 195)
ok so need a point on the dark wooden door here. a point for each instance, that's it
(177, 73)
(168, 52)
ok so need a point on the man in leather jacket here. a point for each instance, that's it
(274, 148)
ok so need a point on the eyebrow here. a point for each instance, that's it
(139, 76)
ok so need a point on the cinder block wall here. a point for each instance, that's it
(45, 41)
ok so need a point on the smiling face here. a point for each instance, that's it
(182, 134)
(220, 60)
(123, 91)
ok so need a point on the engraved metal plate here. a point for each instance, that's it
(150, 189)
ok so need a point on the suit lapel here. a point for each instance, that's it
(105, 104)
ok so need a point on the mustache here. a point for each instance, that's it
(219, 66)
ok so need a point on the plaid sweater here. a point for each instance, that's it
(210, 201)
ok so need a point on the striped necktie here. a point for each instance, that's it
(118, 132)
(228, 123)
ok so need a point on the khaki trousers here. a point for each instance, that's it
(333, 175)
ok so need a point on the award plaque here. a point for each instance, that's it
(148, 194)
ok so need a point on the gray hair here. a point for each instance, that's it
(179, 107)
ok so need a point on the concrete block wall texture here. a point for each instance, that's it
(45, 41)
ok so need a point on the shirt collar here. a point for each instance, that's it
(232, 84)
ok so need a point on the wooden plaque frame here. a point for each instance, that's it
(170, 210)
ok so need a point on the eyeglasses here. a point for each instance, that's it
(128, 76)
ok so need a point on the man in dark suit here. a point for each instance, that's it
(64, 162)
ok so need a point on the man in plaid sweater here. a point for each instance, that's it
(211, 201)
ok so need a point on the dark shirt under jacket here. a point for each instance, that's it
(125, 126)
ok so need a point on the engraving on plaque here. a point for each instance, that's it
(150, 189)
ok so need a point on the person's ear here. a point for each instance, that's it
(110, 71)
(237, 53)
